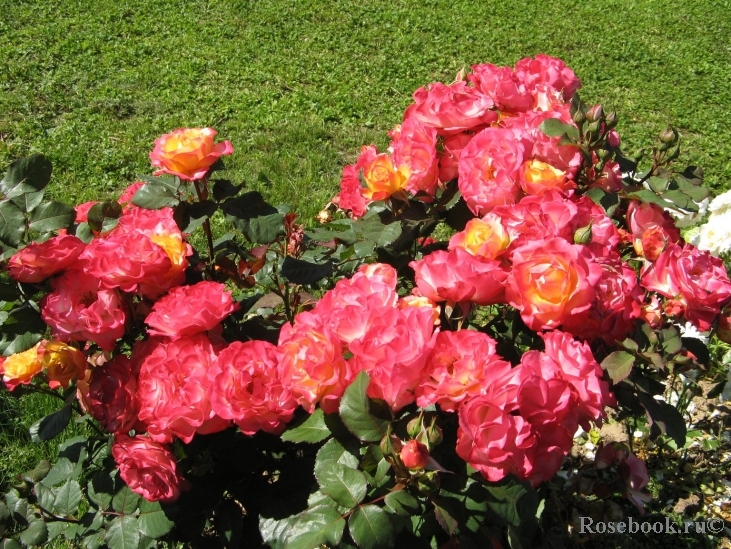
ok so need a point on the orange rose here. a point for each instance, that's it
(484, 237)
(21, 367)
(188, 152)
(538, 177)
(550, 281)
(383, 178)
(62, 363)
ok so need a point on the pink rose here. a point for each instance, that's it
(503, 86)
(112, 388)
(187, 310)
(652, 229)
(248, 389)
(489, 168)
(547, 71)
(128, 262)
(38, 261)
(350, 308)
(82, 211)
(617, 304)
(451, 109)
(148, 468)
(415, 148)
(414, 455)
(311, 363)
(462, 365)
(449, 155)
(351, 198)
(393, 352)
(80, 309)
(492, 440)
(457, 275)
(695, 277)
(174, 389)
(551, 280)
(188, 152)
(579, 368)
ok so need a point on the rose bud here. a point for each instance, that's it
(724, 327)
(414, 455)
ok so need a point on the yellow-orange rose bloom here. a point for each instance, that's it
(62, 363)
(484, 237)
(538, 177)
(550, 281)
(188, 152)
(383, 178)
(20, 368)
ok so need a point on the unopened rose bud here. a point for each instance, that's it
(611, 120)
(414, 427)
(414, 455)
(579, 117)
(434, 434)
(669, 136)
(604, 154)
(583, 235)
(595, 114)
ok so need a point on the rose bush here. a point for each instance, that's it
(412, 371)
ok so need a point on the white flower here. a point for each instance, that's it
(721, 204)
(715, 235)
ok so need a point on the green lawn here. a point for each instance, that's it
(299, 85)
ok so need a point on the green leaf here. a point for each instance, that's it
(445, 516)
(125, 501)
(608, 201)
(553, 127)
(104, 216)
(252, 215)
(61, 471)
(332, 453)
(512, 500)
(229, 523)
(618, 365)
(371, 528)
(402, 503)
(29, 201)
(12, 223)
(123, 533)
(51, 216)
(73, 448)
(189, 217)
(26, 175)
(23, 329)
(223, 188)
(314, 527)
(48, 427)
(9, 543)
(374, 230)
(313, 429)
(83, 232)
(356, 411)
(100, 489)
(35, 534)
(346, 486)
(304, 272)
(55, 529)
(664, 418)
(274, 532)
(155, 195)
(68, 498)
(39, 473)
(671, 342)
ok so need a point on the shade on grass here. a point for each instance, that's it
(298, 86)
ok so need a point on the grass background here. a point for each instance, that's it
(299, 85)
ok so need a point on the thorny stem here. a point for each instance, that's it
(56, 517)
(201, 189)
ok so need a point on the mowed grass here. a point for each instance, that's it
(299, 85)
